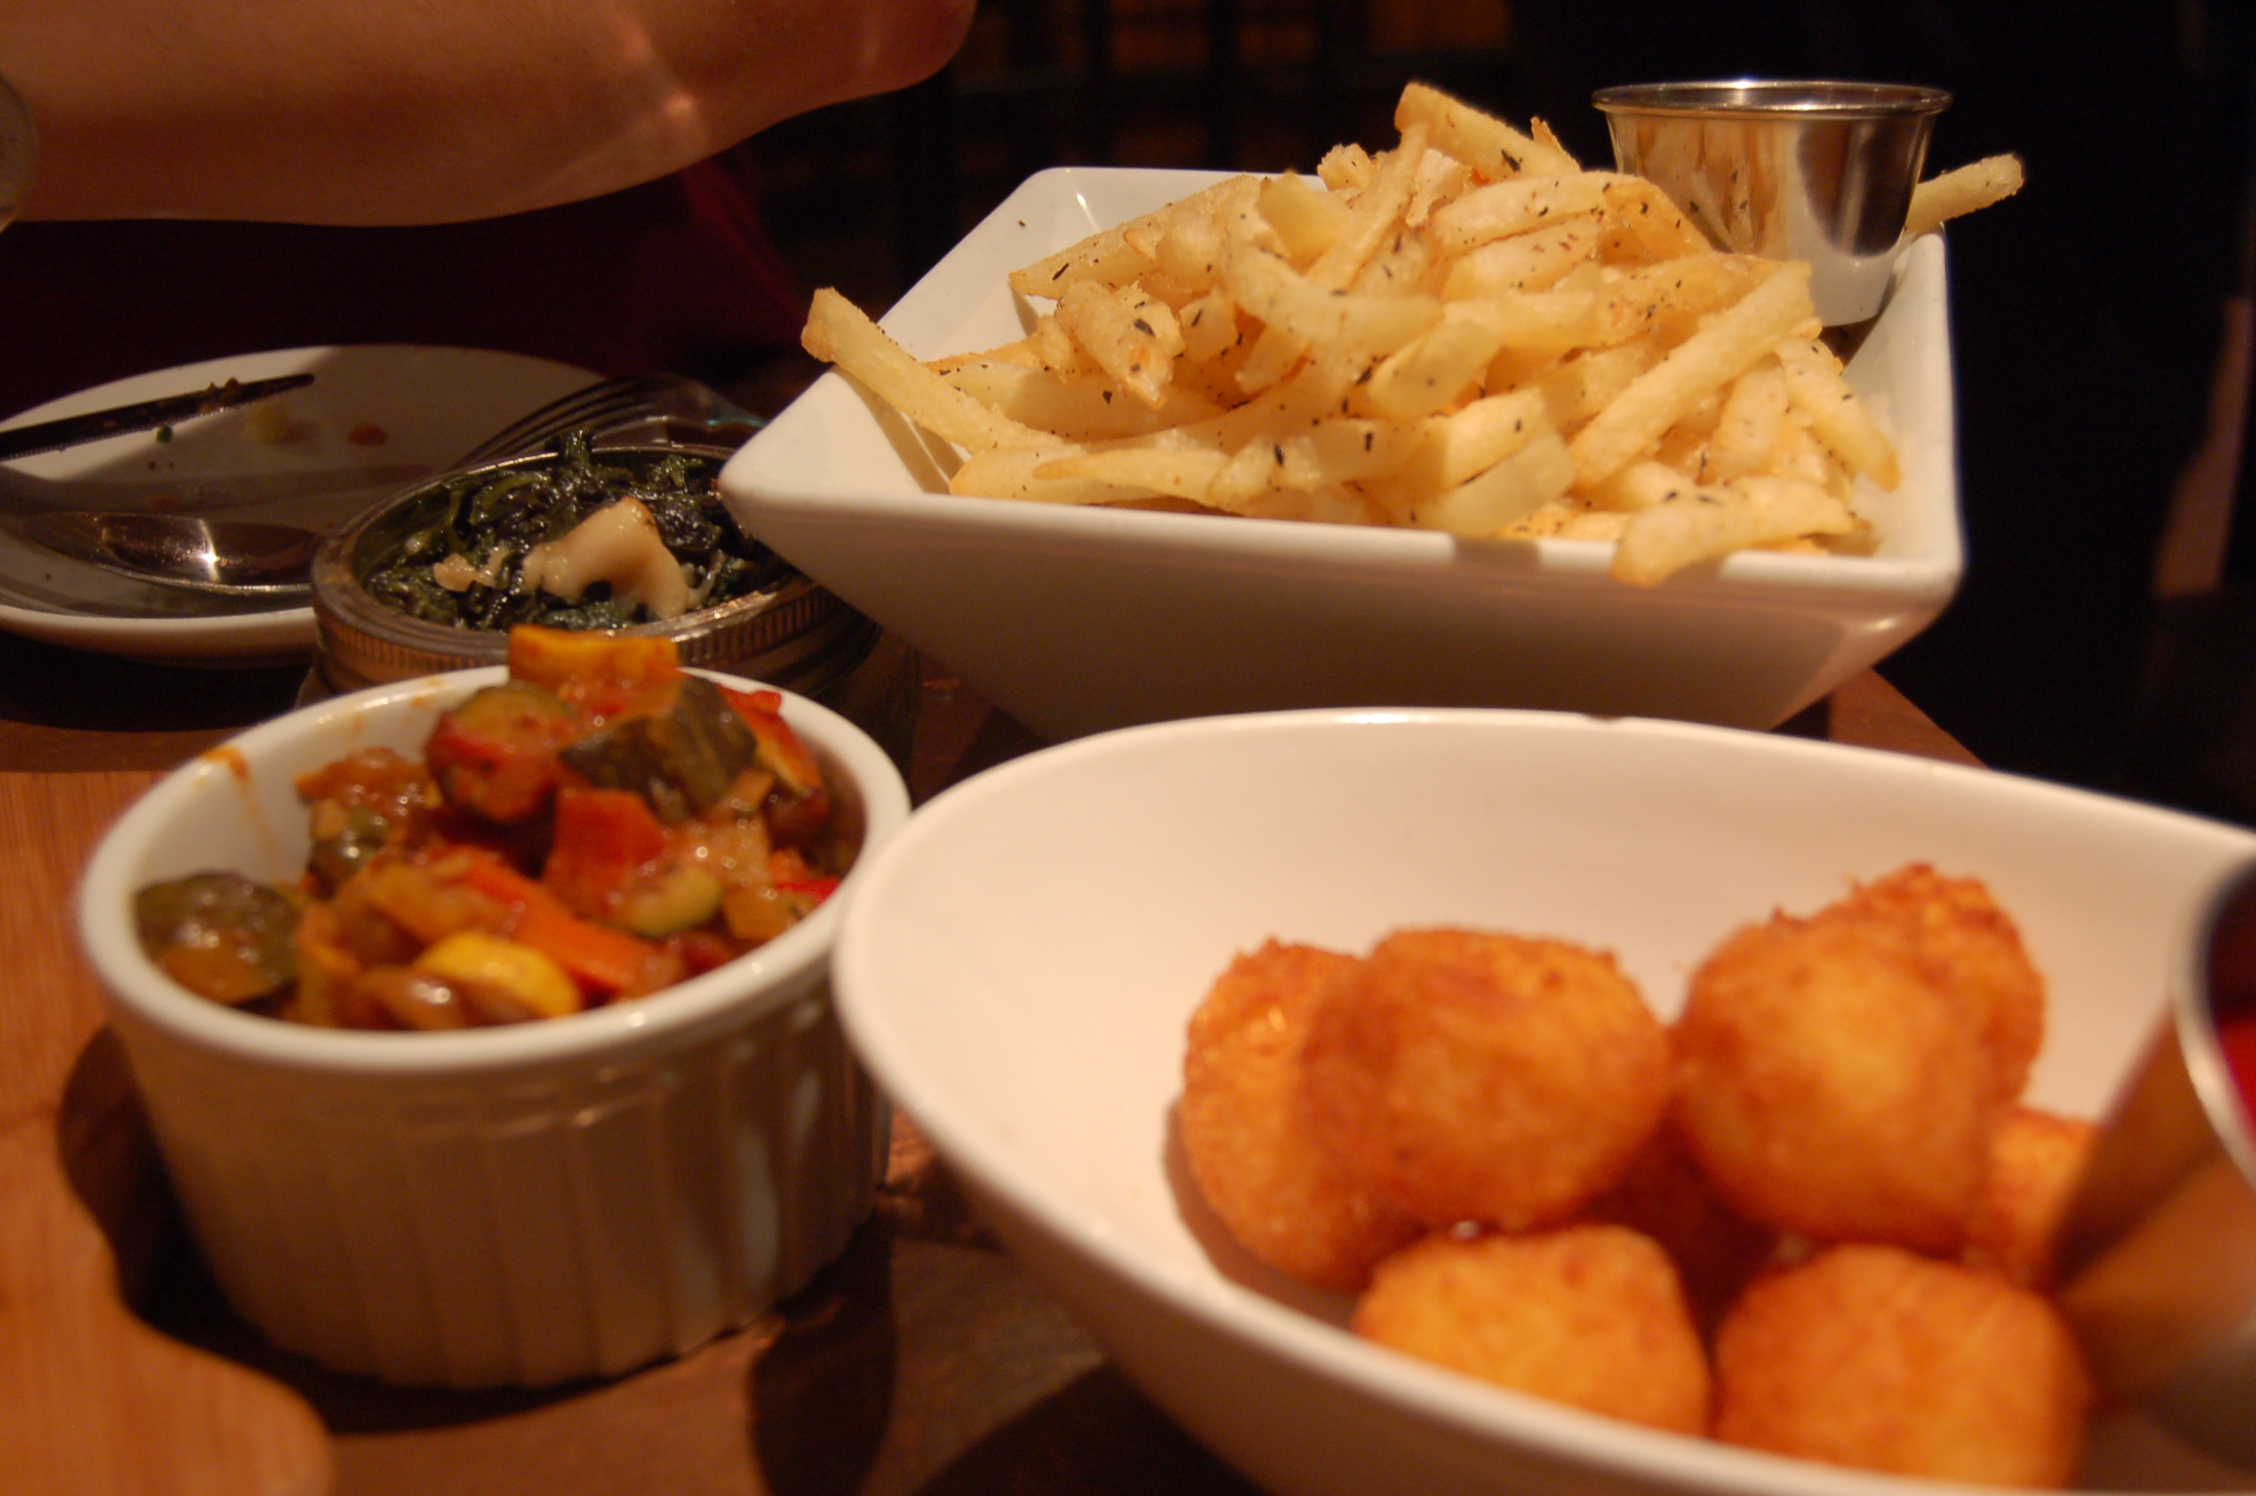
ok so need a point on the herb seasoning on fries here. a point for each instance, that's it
(601, 825)
(1467, 333)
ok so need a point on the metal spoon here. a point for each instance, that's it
(266, 562)
(227, 558)
(232, 558)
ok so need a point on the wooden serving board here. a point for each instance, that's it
(96, 1403)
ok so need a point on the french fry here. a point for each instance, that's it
(1014, 473)
(1280, 296)
(838, 332)
(1054, 349)
(1363, 229)
(1525, 262)
(1324, 506)
(1700, 523)
(1648, 226)
(1106, 258)
(1481, 141)
(1466, 332)
(1638, 485)
(1078, 407)
(1346, 449)
(1229, 205)
(1453, 448)
(1491, 502)
(1308, 220)
(1130, 335)
(1434, 368)
(1345, 166)
(1501, 209)
(1837, 418)
(1750, 425)
(1720, 352)
(1666, 300)
(1441, 179)
(1979, 184)
(1209, 326)
(1190, 251)
(1572, 314)
(1582, 386)
(1111, 256)
(1186, 473)
(1371, 217)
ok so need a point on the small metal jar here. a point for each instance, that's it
(1792, 169)
(794, 633)
(2158, 1245)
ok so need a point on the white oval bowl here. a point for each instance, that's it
(508, 1206)
(1019, 965)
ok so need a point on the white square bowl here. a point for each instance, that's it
(1021, 964)
(1075, 620)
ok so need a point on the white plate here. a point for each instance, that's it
(1075, 620)
(1018, 966)
(295, 455)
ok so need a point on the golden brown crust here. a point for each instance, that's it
(1470, 1076)
(1828, 1086)
(1591, 1316)
(1243, 1133)
(1876, 1357)
(1975, 952)
(2036, 1161)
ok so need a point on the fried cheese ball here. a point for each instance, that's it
(1664, 1195)
(1244, 1134)
(1828, 1086)
(1587, 1315)
(1491, 1078)
(1976, 951)
(1878, 1358)
(2037, 1159)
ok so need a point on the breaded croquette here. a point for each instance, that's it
(1498, 1079)
(1974, 950)
(1244, 1134)
(1591, 1316)
(1882, 1359)
(1829, 1086)
(1663, 1195)
(2037, 1159)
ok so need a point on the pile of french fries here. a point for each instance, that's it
(1467, 333)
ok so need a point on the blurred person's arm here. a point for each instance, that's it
(425, 111)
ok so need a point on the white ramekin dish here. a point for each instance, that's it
(491, 1207)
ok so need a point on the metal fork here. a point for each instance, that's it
(611, 405)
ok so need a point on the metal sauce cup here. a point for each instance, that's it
(1791, 170)
(2158, 1248)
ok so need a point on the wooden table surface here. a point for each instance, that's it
(923, 1361)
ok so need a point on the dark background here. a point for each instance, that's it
(2087, 312)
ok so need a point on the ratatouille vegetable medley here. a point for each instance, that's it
(599, 826)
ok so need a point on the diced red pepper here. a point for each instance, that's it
(602, 839)
(781, 751)
(603, 675)
(600, 958)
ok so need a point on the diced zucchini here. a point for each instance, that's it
(220, 935)
(681, 898)
(682, 761)
(495, 754)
